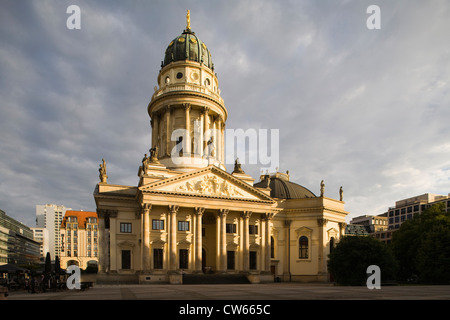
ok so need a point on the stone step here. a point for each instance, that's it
(215, 279)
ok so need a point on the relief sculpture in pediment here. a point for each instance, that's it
(212, 185)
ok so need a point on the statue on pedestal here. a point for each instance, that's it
(102, 170)
(237, 167)
(322, 188)
(154, 155)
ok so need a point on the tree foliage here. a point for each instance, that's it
(353, 254)
(422, 246)
(48, 264)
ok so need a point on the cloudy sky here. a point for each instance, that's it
(365, 109)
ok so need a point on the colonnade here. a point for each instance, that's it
(210, 124)
(196, 246)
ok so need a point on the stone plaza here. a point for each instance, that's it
(241, 292)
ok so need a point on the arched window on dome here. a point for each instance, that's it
(303, 247)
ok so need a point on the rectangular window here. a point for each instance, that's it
(230, 228)
(125, 227)
(157, 258)
(158, 224)
(252, 229)
(183, 225)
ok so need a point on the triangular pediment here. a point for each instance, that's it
(208, 182)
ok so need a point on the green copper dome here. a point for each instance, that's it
(187, 46)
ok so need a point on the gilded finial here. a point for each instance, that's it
(188, 20)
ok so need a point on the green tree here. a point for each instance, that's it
(353, 254)
(48, 264)
(422, 246)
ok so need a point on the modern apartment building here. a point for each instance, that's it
(372, 223)
(49, 217)
(406, 209)
(41, 235)
(16, 242)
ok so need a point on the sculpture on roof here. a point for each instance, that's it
(102, 170)
(145, 162)
(154, 155)
(341, 194)
(188, 20)
(322, 188)
(237, 167)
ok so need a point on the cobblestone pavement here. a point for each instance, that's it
(233, 292)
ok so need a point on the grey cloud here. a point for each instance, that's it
(353, 106)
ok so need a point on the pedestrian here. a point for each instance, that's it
(33, 284)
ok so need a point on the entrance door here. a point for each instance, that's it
(203, 260)
(253, 257)
(126, 259)
(230, 260)
(184, 259)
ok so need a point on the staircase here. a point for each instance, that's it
(202, 278)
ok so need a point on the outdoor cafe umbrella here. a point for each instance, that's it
(10, 268)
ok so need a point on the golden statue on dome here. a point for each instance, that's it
(188, 20)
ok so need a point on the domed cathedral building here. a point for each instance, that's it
(189, 218)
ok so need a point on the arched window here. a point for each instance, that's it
(303, 247)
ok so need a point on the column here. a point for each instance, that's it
(220, 142)
(155, 129)
(167, 150)
(173, 237)
(102, 241)
(198, 239)
(287, 250)
(201, 138)
(223, 240)
(246, 241)
(206, 132)
(112, 240)
(218, 241)
(321, 223)
(146, 207)
(267, 218)
(342, 226)
(222, 134)
(215, 137)
(187, 136)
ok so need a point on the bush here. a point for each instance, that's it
(353, 254)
